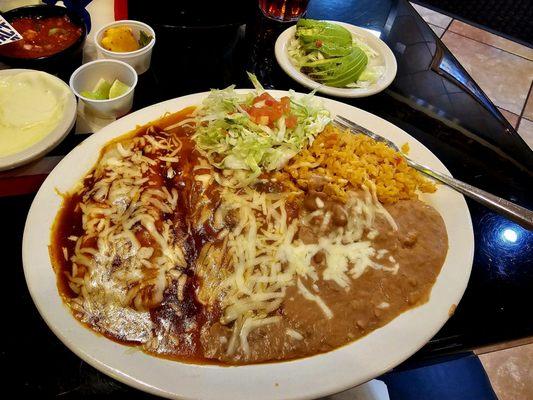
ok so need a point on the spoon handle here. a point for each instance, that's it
(510, 210)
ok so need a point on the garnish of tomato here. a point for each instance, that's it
(291, 121)
(397, 160)
(266, 110)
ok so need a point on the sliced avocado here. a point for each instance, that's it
(320, 66)
(325, 70)
(348, 74)
(328, 48)
(346, 70)
(333, 73)
(343, 62)
(326, 62)
(309, 30)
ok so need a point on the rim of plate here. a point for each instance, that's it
(306, 378)
(53, 138)
(282, 56)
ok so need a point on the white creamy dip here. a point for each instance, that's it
(31, 106)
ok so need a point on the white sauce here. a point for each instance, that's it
(31, 106)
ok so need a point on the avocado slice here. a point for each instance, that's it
(328, 48)
(309, 30)
(343, 62)
(342, 72)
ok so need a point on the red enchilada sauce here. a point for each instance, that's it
(181, 327)
(41, 37)
(172, 316)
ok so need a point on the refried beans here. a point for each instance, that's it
(150, 250)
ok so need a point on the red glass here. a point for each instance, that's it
(283, 10)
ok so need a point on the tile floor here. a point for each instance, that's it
(510, 371)
(502, 68)
(504, 71)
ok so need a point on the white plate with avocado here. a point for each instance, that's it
(336, 58)
(37, 111)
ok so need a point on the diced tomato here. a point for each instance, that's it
(271, 110)
(263, 120)
(291, 121)
(273, 114)
(285, 105)
(265, 97)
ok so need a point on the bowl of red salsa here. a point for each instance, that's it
(53, 39)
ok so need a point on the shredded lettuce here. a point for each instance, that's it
(369, 51)
(369, 76)
(230, 140)
(299, 56)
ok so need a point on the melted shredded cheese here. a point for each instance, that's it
(110, 266)
(294, 334)
(129, 253)
(265, 257)
(313, 297)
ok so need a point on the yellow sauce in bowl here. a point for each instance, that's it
(31, 106)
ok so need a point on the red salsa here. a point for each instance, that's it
(41, 36)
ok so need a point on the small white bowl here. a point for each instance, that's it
(88, 75)
(53, 138)
(385, 58)
(138, 59)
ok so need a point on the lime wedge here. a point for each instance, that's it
(118, 89)
(102, 88)
(93, 95)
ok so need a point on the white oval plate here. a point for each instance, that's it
(385, 57)
(306, 378)
(51, 140)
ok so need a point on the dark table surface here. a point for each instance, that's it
(432, 98)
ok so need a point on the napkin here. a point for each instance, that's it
(8, 34)
(88, 122)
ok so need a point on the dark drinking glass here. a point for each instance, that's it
(283, 10)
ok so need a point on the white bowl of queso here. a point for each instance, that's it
(37, 111)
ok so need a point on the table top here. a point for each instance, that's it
(432, 98)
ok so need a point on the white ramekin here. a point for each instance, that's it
(86, 77)
(138, 59)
